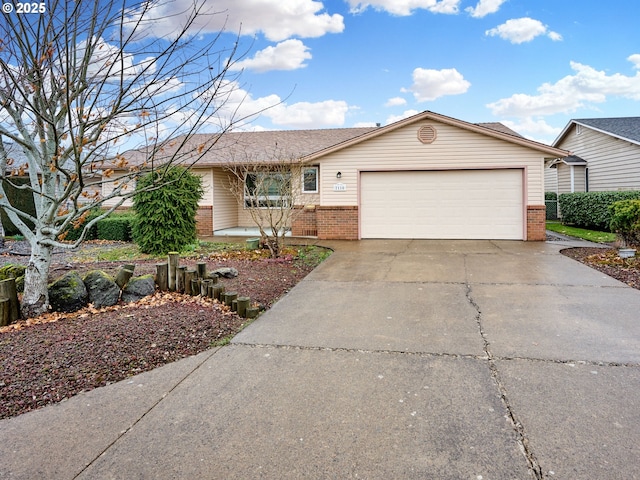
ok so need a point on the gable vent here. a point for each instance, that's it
(426, 134)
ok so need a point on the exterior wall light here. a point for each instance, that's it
(339, 175)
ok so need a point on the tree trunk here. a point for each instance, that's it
(35, 300)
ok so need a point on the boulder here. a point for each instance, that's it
(226, 272)
(12, 270)
(102, 289)
(138, 287)
(68, 293)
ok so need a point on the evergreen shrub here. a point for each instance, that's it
(166, 216)
(116, 227)
(625, 220)
(591, 209)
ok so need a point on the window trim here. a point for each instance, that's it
(264, 201)
(317, 170)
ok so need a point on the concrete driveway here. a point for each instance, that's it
(393, 359)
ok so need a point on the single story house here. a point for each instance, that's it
(605, 156)
(428, 176)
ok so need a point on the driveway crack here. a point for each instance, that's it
(521, 436)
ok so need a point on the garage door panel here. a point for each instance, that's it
(474, 204)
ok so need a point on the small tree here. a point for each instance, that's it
(166, 205)
(271, 192)
(84, 80)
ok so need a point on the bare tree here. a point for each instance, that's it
(271, 192)
(82, 81)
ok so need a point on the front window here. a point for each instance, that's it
(267, 190)
(310, 180)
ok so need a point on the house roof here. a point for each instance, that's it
(570, 160)
(624, 128)
(266, 146)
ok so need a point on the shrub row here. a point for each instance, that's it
(117, 226)
(591, 209)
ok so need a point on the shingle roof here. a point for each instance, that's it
(500, 127)
(266, 146)
(255, 147)
(623, 127)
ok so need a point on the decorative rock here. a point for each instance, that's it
(12, 270)
(102, 289)
(226, 272)
(68, 293)
(138, 287)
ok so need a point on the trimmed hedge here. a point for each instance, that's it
(73, 234)
(591, 209)
(116, 228)
(21, 199)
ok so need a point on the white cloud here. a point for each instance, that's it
(287, 55)
(484, 8)
(405, 7)
(406, 114)
(534, 129)
(520, 30)
(234, 102)
(635, 59)
(586, 86)
(310, 115)
(395, 102)
(433, 84)
(277, 19)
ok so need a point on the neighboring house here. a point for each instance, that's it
(427, 176)
(605, 156)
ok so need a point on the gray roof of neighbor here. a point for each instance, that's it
(623, 127)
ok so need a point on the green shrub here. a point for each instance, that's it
(550, 196)
(591, 209)
(625, 220)
(20, 199)
(73, 234)
(166, 216)
(116, 227)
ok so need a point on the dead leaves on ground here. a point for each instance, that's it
(158, 299)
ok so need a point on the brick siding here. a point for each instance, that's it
(305, 222)
(337, 223)
(204, 220)
(536, 223)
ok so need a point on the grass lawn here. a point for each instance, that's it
(590, 235)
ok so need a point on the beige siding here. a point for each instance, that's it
(204, 173)
(564, 178)
(551, 179)
(454, 148)
(613, 164)
(225, 206)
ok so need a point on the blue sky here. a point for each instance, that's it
(531, 64)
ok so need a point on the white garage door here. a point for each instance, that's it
(452, 204)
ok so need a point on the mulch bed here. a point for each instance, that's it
(607, 261)
(51, 358)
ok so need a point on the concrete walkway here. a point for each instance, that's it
(392, 360)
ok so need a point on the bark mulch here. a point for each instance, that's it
(55, 356)
(607, 261)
